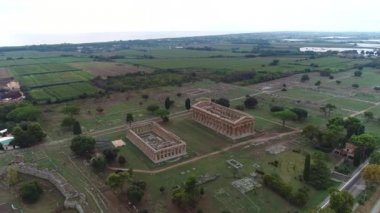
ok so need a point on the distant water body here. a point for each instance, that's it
(31, 39)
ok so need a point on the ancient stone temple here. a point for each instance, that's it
(229, 122)
(155, 142)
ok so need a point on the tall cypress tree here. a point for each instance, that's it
(187, 103)
(77, 130)
(167, 103)
(306, 169)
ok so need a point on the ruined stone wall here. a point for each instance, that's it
(73, 198)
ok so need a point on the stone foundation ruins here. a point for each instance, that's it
(155, 142)
(229, 122)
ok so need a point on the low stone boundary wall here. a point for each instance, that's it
(73, 198)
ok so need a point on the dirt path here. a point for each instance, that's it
(115, 128)
(252, 141)
(365, 110)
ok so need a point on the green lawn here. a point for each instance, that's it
(199, 139)
(351, 104)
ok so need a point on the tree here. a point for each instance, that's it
(168, 103)
(327, 109)
(77, 130)
(355, 86)
(305, 77)
(223, 101)
(353, 126)
(12, 175)
(30, 192)
(129, 118)
(333, 137)
(250, 102)
(99, 109)
(375, 158)
(368, 115)
(164, 114)
(188, 195)
(162, 189)
(71, 110)
(301, 113)
(116, 180)
(358, 73)
(24, 113)
(152, 108)
(34, 130)
(82, 145)
(145, 96)
(341, 202)
(306, 169)
(110, 154)
(338, 82)
(371, 174)
(98, 162)
(285, 115)
(276, 108)
(312, 133)
(121, 160)
(366, 143)
(319, 175)
(68, 122)
(274, 62)
(135, 194)
(318, 83)
(27, 134)
(187, 103)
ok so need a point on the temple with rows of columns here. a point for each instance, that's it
(155, 142)
(229, 122)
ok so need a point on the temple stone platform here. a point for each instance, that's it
(155, 142)
(226, 121)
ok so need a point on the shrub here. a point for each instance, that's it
(121, 160)
(276, 108)
(30, 192)
(98, 163)
(250, 102)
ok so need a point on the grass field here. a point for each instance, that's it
(220, 195)
(197, 135)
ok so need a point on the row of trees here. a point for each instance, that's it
(337, 132)
(275, 182)
(135, 190)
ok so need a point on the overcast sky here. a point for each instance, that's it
(20, 17)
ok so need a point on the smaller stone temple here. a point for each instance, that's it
(155, 142)
(229, 122)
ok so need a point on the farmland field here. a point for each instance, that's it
(109, 68)
(39, 69)
(63, 92)
(48, 79)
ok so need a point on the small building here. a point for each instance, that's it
(347, 152)
(118, 143)
(226, 121)
(155, 142)
(6, 142)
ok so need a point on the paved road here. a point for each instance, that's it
(376, 207)
(351, 185)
